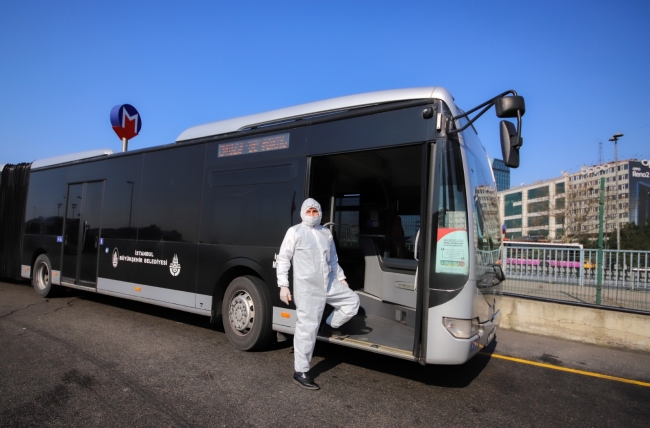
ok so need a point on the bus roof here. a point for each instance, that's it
(323, 107)
(318, 108)
(71, 157)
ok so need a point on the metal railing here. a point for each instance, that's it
(571, 275)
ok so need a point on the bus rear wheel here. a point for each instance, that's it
(42, 277)
(246, 313)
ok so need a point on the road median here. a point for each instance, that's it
(586, 324)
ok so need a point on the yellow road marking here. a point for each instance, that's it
(565, 369)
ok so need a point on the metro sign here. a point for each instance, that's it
(126, 121)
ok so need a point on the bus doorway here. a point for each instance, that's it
(374, 200)
(81, 235)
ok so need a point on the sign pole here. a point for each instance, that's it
(126, 123)
(599, 261)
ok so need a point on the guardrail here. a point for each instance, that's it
(571, 275)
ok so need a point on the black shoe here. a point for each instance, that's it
(304, 380)
(333, 332)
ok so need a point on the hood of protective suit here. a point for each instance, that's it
(308, 220)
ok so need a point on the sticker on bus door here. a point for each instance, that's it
(452, 254)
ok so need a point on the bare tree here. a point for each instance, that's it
(581, 210)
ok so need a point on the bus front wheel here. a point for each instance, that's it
(246, 313)
(42, 277)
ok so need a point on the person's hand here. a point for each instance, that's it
(285, 295)
(344, 282)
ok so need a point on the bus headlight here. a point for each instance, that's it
(461, 329)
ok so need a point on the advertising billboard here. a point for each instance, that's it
(640, 192)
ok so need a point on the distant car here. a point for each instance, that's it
(590, 264)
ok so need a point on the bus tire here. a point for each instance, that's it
(246, 313)
(42, 277)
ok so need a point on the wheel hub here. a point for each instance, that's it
(241, 313)
(42, 276)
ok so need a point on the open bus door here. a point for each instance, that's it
(374, 198)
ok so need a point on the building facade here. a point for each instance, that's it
(566, 209)
(501, 174)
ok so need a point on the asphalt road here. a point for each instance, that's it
(90, 360)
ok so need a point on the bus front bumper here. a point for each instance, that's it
(453, 351)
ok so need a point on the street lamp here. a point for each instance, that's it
(615, 138)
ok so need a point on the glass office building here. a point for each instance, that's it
(501, 174)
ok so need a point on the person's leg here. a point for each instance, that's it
(344, 301)
(309, 310)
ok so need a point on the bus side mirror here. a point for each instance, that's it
(511, 140)
(510, 144)
(509, 106)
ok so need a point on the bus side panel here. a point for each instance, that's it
(224, 262)
(113, 260)
(44, 217)
(169, 221)
(164, 213)
(122, 183)
(249, 202)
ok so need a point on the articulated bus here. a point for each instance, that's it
(404, 183)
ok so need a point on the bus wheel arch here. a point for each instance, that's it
(42, 276)
(36, 254)
(227, 273)
(247, 313)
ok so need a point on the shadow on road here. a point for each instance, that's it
(332, 355)
(26, 282)
(195, 320)
(436, 375)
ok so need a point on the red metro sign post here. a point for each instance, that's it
(126, 123)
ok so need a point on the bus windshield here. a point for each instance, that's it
(483, 194)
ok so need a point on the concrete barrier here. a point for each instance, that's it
(597, 326)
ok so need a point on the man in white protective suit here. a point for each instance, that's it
(317, 279)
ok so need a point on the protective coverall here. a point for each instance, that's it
(317, 280)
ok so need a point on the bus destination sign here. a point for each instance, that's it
(254, 145)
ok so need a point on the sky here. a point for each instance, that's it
(583, 68)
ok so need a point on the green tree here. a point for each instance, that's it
(633, 237)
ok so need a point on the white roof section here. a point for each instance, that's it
(316, 108)
(40, 163)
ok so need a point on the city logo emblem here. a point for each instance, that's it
(116, 257)
(174, 266)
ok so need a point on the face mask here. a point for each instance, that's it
(308, 220)
(311, 221)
